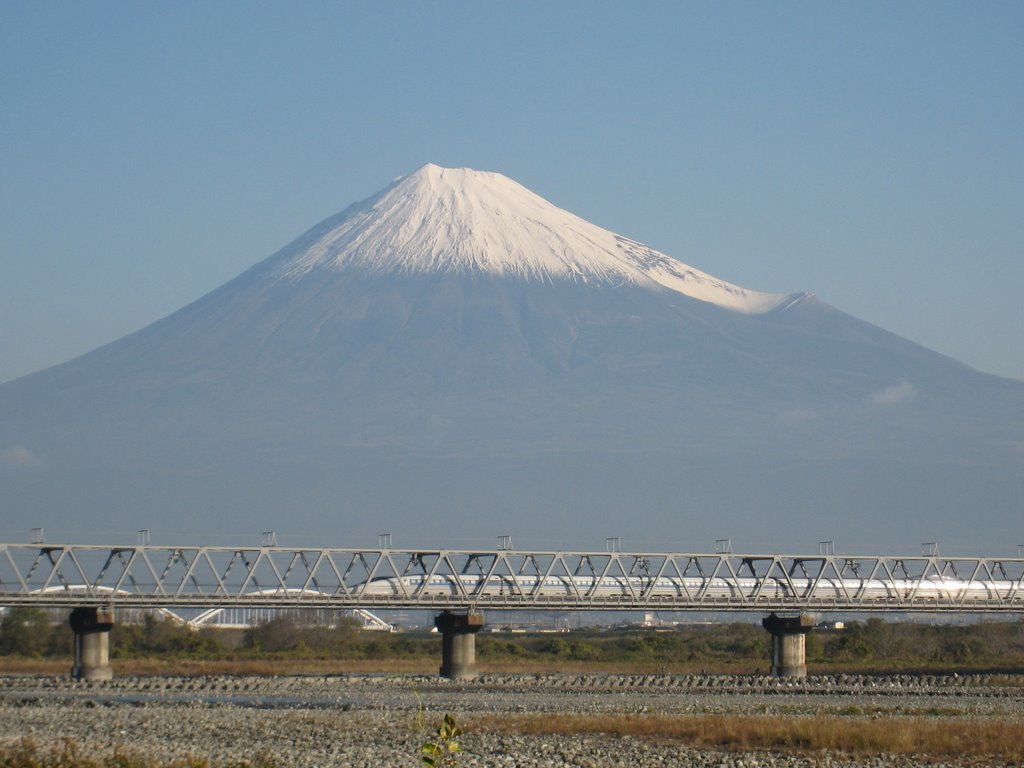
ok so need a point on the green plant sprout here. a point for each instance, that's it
(441, 750)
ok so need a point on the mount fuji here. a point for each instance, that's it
(456, 358)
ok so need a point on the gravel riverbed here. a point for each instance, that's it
(376, 720)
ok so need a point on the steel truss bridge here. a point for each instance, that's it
(200, 577)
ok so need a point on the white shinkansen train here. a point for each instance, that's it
(931, 589)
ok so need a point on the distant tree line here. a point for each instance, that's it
(31, 632)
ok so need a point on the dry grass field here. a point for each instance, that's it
(941, 737)
(931, 739)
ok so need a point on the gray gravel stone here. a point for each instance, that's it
(375, 720)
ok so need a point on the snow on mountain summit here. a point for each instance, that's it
(463, 221)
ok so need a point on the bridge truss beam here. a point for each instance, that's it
(285, 577)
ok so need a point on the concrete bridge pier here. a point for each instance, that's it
(92, 643)
(458, 643)
(789, 656)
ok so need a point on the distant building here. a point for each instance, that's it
(837, 625)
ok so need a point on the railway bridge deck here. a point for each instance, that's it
(459, 585)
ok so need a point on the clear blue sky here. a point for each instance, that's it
(870, 152)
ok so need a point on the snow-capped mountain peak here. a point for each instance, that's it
(463, 221)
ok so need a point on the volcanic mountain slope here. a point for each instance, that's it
(458, 354)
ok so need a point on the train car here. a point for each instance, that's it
(696, 589)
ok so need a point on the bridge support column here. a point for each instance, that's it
(789, 657)
(458, 643)
(92, 643)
